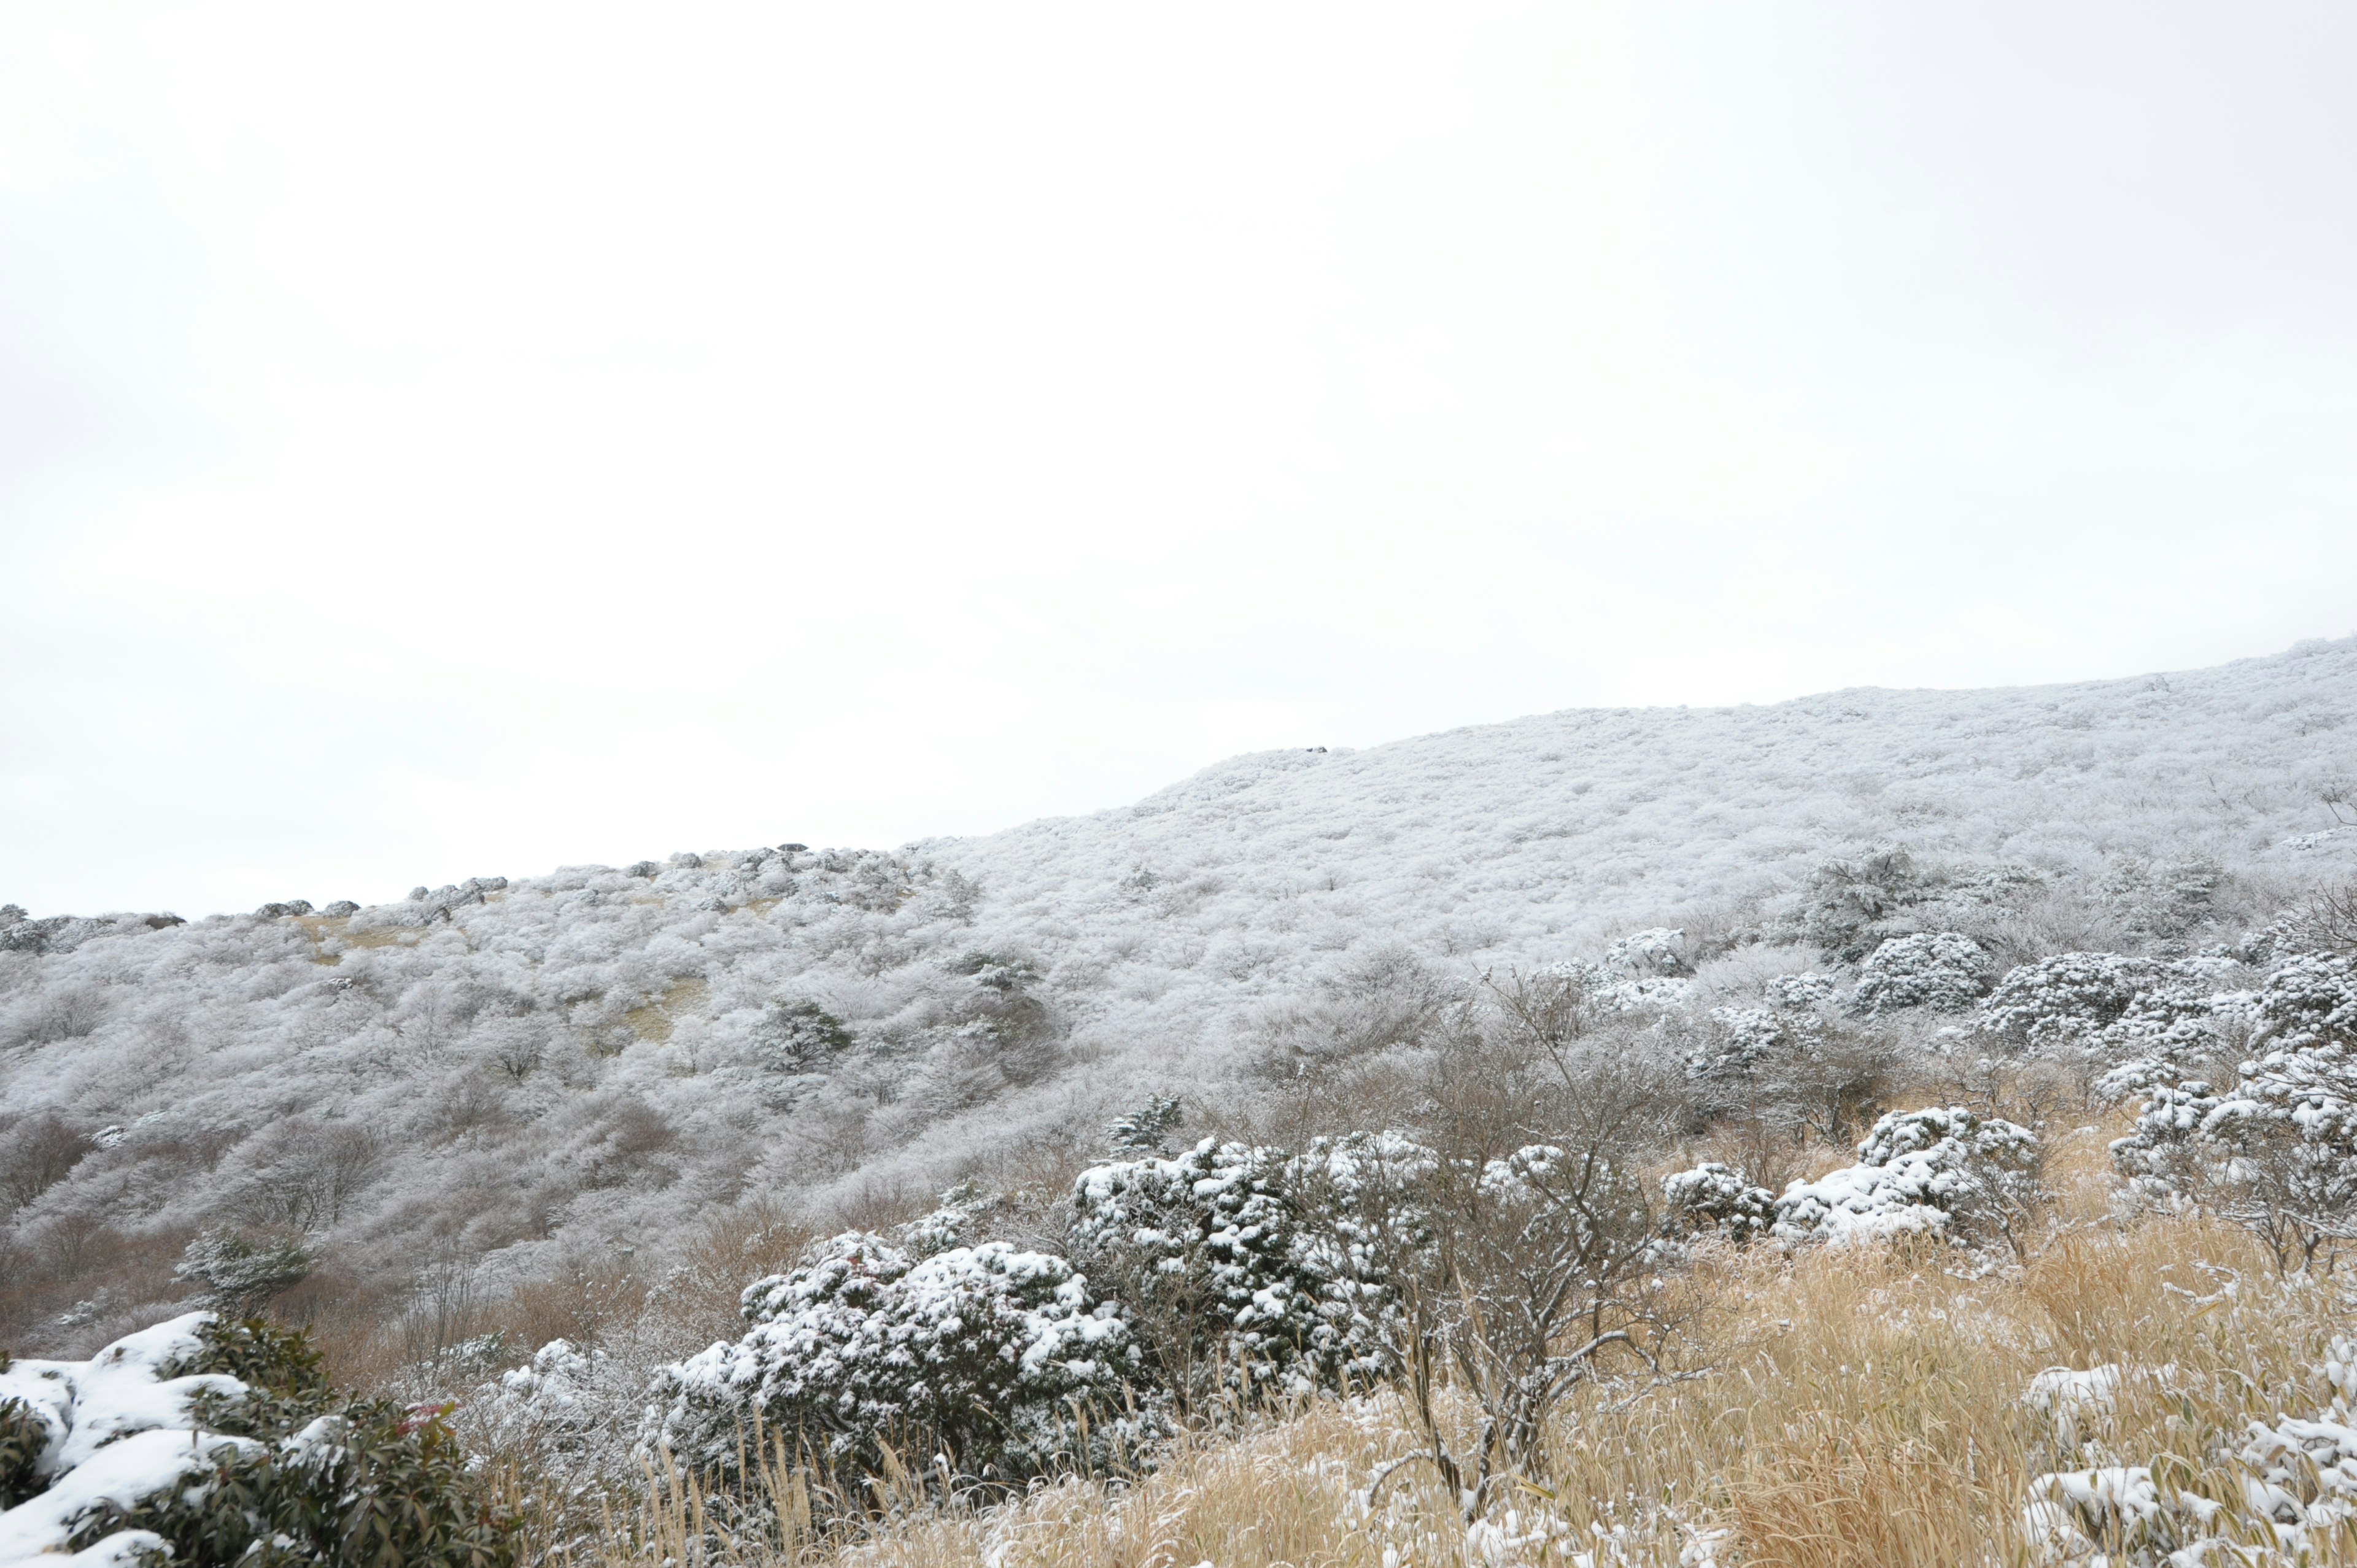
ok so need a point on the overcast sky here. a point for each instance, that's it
(451, 440)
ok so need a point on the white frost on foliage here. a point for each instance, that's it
(590, 1054)
(1940, 970)
(987, 1348)
(1918, 1173)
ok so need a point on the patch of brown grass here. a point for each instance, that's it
(653, 1021)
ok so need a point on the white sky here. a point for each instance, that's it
(453, 440)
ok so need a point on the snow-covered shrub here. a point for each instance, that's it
(2309, 1001)
(1740, 1038)
(208, 1444)
(1148, 1128)
(1943, 971)
(2066, 1002)
(1844, 903)
(238, 1274)
(1003, 1360)
(1656, 950)
(955, 1223)
(1950, 1172)
(2276, 1153)
(2161, 899)
(2184, 1017)
(1717, 1196)
(1651, 993)
(798, 1036)
(1799, 992)
(558, 1406)
(1207, 1252)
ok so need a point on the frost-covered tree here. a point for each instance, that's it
(1148, 1128)
(1799, 992)
(1846, 903)
(2064, 1004)
(1943, 971)
(796, 1035)
(2276, 1151)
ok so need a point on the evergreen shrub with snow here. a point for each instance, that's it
(1715, 1197)
(1943, 971)
(2064, 1004)
(1951, 1173)
(2275, 1151)
(203, 1443)
(1211, 1253)
(1003, 1360)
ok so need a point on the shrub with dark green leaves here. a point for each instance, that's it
(208, 1443)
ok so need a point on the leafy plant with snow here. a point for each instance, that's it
(1943, 971)
(1946, 1172)
(1717, 1196)
(237, 1274)
(2276, 1152)
(1207, 1252)
(1003, 1361)
(2063, 1004)
(207, 1443)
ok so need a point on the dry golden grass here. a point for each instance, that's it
(652, 1022)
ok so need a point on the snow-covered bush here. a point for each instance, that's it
(2276, 1151)
(1943, 971)
(2065, 1002)
(1004, 1360)
(1148, 1128)
(1740, 1039)
(1655, 951)
(237, 1274)
(561, 1410)
(1843, 904)
(1951, 1173)
(1799, 992)
(208, 1444)
(1209, 1252)
(798, 1036)
(2184, 1017)
(2309, 1002)
(1715, 1196)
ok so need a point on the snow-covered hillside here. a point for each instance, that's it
(494, 1075)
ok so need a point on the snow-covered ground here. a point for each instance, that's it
(497, 1071)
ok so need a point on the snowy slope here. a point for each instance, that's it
(1515, 842)
(498, 1073)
